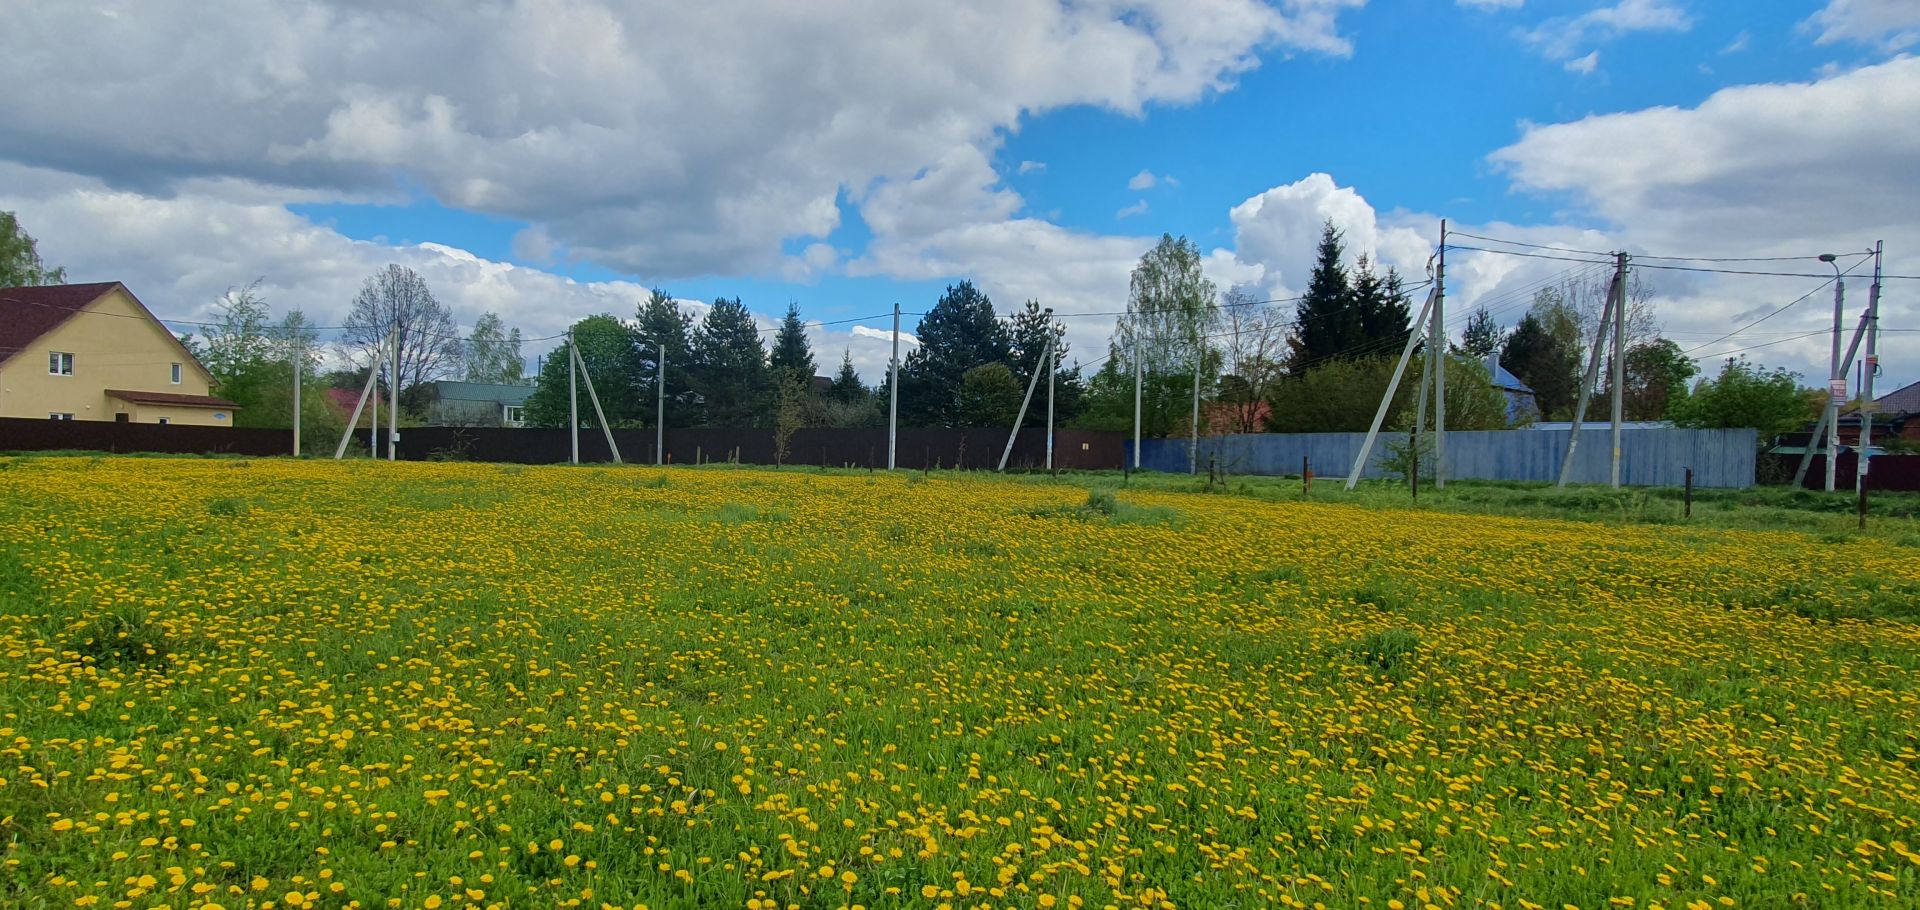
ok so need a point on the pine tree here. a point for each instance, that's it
(661, 321)
(1534, 356)
(1382, 309)
(791, 351)
(730, 367)
(1326, 321)
(1482, 336)
(847, 387)
(960, 332)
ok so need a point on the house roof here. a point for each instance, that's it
(172, 398)
(26, 313)
(1503, 379)
(1900, 401)
(503, 393)
(30, 312)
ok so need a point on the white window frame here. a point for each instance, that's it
(59, 363)
(175, 373)
(59, 415)
(513, 415)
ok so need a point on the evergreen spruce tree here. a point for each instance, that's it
(729, 367)
(847, 387)
(1482, 335)
(659, 322)
(1382, 309)
(791, 351)
(1546, 364)
(1326, 321)
(960, 332)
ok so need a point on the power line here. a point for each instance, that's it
(1673, 268)
(1636, 256)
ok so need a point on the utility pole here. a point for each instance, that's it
(1393, 385)
(1592, 374)
(393, 398)
(1439, 341)
(1871, 366)
(601, 415)
(1193, 443)
(1053, 366)
(1836, 374)
(1032, 383)
(1820, 425)
(660, 406)
(373, 420)
(1139, 378)
(573, 403)
(893, 392)
(1619, 290)
(299, 366)
(366, 392)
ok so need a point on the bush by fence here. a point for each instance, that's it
(27, 434)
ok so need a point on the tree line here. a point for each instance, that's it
(1320, 367)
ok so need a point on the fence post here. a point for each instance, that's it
(1689, 511)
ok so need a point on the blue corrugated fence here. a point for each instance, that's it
(1649, 457)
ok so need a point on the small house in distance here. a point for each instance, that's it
(476, 404)
(95, 352)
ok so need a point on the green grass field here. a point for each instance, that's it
(272, 683)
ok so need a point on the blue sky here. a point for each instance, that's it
(548, 160)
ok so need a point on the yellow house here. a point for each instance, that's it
(95, 352)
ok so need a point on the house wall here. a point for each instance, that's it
(115, 345)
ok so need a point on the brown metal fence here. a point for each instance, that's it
(831, 447)
(26, 434)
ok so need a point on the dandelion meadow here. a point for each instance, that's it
(277, 684)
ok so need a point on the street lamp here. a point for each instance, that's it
(1833, 372)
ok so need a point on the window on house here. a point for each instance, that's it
(165, 420)
(59, 415)
(513, 415)
(59, 364)
(176, 374)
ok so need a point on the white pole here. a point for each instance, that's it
(573, 402)
(1386, 401)
(1053, 366)
(594, 397)
(353, 423)
(1836, 373)
(1139, 377)
(1619, 359)
(1820, 425)
(1592, 374)
(393, 397)
(893, 392)
(1440, 364)
(373, 421)
(660, 420)
(1193, 441)
(299, 362)
(1021, 417)
(1866, 375)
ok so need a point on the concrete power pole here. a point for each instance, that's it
(1438, 339)
(893, 392)
(1139, 379)
(573, 404)
(1866, 382)
(299, 362)
(1053, 366)
(1619, 358)
(1835, 374)
(1032, 382)
(1386, 400)
(660, 417)
(1614, 289)
(393, 399)
(1193, 441)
